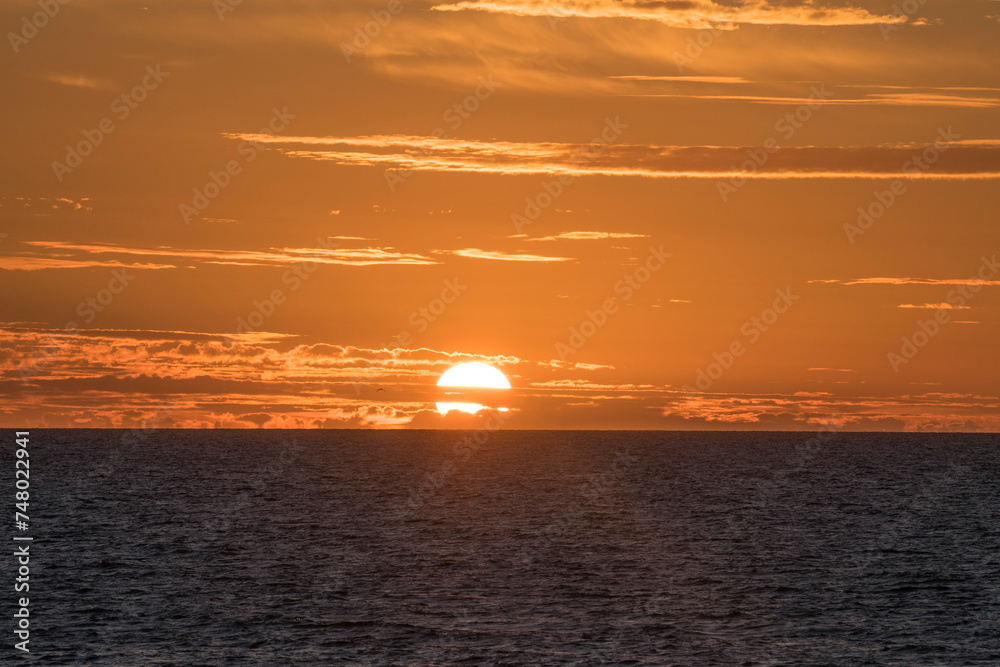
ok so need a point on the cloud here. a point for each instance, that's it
(933, 306)
(367, 416)
(559, 363)
(100, 377)
(257, 419)
(14, 263)
(683, 79)
(475, 253)
(698, 14)
(194, 380)
(271, 257)
(420, 153)
(587, 236)
(80, 81)
(47, 354)
(910, 281)
(46, 205)
(597, 386)
(872, 99)
(976, 142)
(810, 410)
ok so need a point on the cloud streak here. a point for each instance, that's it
(697, 14)
(52, 255)
(589, 236)
(909, 281)
(476, 253)
(944, 305)
(419, 153)
(872, 99)
(15, 263)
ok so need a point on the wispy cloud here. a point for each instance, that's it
(682, 79)
(475, 253)
(909, 281)
(57, 251)
(680, 14)
(871, 99)
(588, 236)
(419, 153)
(15, 263)
(46, 205)
(975, 142)
(944, 305)
(81, 81)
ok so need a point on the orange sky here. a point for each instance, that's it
(693, 215)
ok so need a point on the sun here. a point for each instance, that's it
(474, 374)
(465, 385)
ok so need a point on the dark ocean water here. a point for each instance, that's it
(532, 548)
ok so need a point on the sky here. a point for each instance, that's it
(648, 215)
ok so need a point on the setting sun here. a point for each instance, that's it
(474, 374)
(471, 383)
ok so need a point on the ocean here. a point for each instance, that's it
(511, 548)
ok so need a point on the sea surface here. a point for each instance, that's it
(510, 548)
